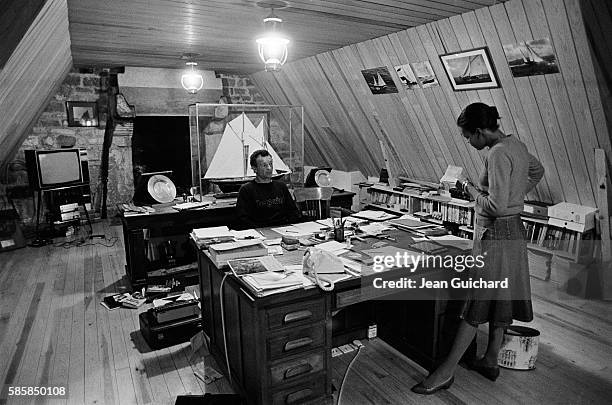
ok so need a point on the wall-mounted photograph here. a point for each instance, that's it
(529, 58)
(82, 113)
(470, 70)
(425, 75)
(379, 80)
(406, 76)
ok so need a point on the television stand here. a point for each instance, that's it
(78, 194)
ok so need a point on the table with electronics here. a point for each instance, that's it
(279, 346)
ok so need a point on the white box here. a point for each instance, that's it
(574, 213)
(572, 226)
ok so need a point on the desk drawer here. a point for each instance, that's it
(299, 313)
(308, 391)
(296, 340)
(295, 369)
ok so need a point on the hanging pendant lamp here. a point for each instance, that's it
(272, 45)
(191, 80)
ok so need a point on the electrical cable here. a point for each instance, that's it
(346, 373)
(229, 371)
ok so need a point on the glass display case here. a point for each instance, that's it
(223, 136)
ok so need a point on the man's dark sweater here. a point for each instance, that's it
(265, 204)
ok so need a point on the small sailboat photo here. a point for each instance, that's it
(379, 80)
(230, 167)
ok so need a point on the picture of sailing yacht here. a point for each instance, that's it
(529, 58)
(406, 76)
(379, 80)
(470, 70)
(424, 74)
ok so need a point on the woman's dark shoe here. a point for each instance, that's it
(490, 372)
(423, 390)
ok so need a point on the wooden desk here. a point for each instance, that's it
(166, 223)
(279, 346)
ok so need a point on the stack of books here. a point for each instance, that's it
(220, 253)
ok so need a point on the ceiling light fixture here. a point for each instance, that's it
(272, 45)
(191, 80)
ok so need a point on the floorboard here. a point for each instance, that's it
(54, 332)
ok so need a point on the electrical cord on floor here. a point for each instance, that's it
(359, 347)
(229, 371)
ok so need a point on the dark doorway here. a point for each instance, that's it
(162, 143)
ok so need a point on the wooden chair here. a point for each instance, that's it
(313, 201)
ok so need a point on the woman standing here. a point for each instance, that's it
(510, 172)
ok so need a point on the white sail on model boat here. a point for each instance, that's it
(230, 164)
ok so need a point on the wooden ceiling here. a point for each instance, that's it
(155, 33)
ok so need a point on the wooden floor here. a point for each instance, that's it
(54, 332)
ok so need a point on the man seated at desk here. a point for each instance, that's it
(264, 201)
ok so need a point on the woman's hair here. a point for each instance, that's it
(478, 115)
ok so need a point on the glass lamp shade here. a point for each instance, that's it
(272, 46)
(191, 80)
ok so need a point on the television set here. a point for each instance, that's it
(48, 169)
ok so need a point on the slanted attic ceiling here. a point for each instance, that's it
(155, 33)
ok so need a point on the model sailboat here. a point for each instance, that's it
(230, 165)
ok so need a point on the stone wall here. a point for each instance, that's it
(51, 131)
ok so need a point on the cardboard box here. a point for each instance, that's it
(574, 213)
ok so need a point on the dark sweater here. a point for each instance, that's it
(265, 204)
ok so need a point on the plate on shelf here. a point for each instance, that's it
(161, 188)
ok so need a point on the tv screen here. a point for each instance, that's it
(59, 167)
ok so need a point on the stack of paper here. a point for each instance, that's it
(291, 231)
(374, 215)
(262, 264)
(272, 283)
(454, 241)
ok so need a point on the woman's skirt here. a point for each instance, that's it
(501, 242)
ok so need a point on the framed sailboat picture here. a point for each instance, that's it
(379, 80)
(530, 58)
(470, 70)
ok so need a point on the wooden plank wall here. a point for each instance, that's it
(559, 116)
(32, 74)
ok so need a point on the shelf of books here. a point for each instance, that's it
(558, 241)
(437, 209)
(544, 235)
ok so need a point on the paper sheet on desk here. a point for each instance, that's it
(291, 231)
(333, 247)
(247, 234)
(374, 215)
(309, 227)
(375, 228)
(453, 241)
(212, 232)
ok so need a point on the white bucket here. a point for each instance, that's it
(519, 350)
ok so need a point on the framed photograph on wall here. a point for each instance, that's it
(470, 70)
(82, 113)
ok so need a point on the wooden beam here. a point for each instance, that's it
(603, 190)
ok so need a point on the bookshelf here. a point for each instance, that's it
(542, 236)
(560, 241)
(438, 209)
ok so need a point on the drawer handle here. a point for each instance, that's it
(297, 370)
(297, 343)
(298, 396)
(297, 316)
